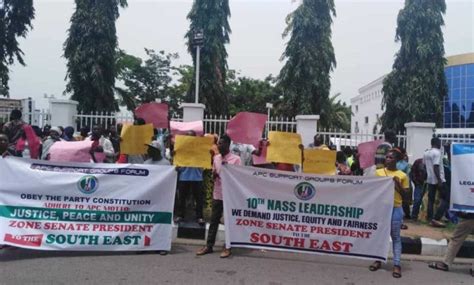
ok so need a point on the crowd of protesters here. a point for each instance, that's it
(428, 174)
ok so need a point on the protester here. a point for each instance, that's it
(403, 165)
(418, 177)
(113, 134)
(225, 157)
(45, 132)
(355, 167)
(54, 136)
(4, 150)
(461, 232)
(83, 134)
(29, 145)
(318, 143)
(341, 164)
(245, 151)
(68, 134)
(433, 161)
(154, 154)
(190, 181)
(14, 128)
(401, 185)
(100, 144)
(383, 149)
(349, 155)
(214, 148)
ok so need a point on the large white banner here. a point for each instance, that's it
(462, 178)
(335, 215)
(79, 206)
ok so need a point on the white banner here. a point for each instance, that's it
(462, 178)
(80, 206)
(335, 215)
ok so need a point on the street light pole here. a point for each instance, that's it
(198, 58)
(269, 107)
(198, 41)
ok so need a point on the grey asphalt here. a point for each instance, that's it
(182, 266)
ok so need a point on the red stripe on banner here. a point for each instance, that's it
(147, 241)
(28, 240)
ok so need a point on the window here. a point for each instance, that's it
(366, 120)
(356, 128)
(377, 118)
(357, 109)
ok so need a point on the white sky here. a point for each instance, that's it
(363, 39)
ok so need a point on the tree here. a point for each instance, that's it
(309, 54)
(337, 114)
(15, 22)
(414, 89)
(211, 17)
(90, 51)
(144, 81)
(251, 95)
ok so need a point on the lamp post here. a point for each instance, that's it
(269, 107)
(198, 41)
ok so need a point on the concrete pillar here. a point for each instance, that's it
(63, 112)
(306, 126)
(418, 138)
(192, 111)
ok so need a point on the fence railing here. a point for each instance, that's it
(218, 124)
(106, 119)
(342, 139)
(455, 135)
(38, 118)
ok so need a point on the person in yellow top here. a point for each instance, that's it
(401, 185)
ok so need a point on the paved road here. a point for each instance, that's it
(183, 267)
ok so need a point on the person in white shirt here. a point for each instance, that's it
(154, 154)
(433, 160)
(101, 144)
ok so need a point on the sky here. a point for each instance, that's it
(363, 39)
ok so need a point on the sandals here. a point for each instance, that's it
(375, 266)
(404, 227)
(439, 266)
(397, 271)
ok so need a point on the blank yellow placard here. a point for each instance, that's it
(284, 147)
(134, 139)
(318, 161)
(193, 151)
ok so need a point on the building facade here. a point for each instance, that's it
(367, 108)
(458, 108)
(458, 104)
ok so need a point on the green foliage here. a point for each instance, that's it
(146, 80)
(251, 95)
(15, 22)
(337, 114)
(414, 90)
(90, 51)
(212, 17)
(309, 55)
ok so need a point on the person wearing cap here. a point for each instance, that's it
(54, 136)
(154, 154)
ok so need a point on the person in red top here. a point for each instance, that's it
(225, 157)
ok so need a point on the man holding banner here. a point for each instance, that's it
(225, 157)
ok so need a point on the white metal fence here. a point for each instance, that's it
(218, 124)
(38, 118)
(212, 123)
(455, 135)
(341, 139)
